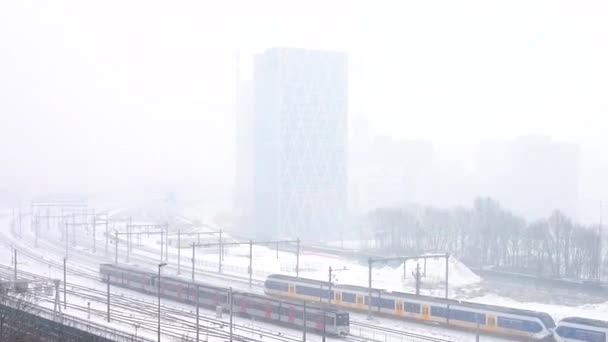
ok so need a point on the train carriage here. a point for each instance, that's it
(320, 318)
(489, 318)
(575, 329)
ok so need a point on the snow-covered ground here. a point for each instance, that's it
(463, 283)
(51, 248)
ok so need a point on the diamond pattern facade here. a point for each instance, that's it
(300, 139)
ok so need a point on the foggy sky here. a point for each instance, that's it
(129, 94)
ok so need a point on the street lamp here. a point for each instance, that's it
(158, 291)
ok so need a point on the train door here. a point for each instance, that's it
(491, 323)
(338, 298)
(399, 308)
(359, 301)
(426, 312)
(291, 290)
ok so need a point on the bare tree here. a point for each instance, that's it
(489, 235)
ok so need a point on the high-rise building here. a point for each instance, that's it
(299, 143)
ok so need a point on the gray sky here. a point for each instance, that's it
(132, 93)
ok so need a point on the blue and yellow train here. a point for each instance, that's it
(491, 319)
(574, 329)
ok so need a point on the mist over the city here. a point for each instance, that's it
(471, 133)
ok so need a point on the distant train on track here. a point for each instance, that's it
(573, 329)
(319, 317)
(491, 319)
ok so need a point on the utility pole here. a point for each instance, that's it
(418, 277)
(107, 239)
(329, 292)
(167, 242)
(331, 272)
(304, 325)
(108, 298)
(73, 229)
(230, 294)
(116, 247)
(369, 293)
(128, 240)
(36, 235)
(162, 248)
(128, 244)
(67, 246)
(94, 237)
(65, 298)
(324, 321)
(57, 306)
(193, 247)
(158, 291)
(197, 313)
(599, 248)
(20, 232)
(447, 267)
(220, 254)
(179, 258)
(250, 261)
(15, 266)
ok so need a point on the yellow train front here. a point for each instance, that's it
(488, 318)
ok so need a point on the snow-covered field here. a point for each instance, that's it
(51, 249)
(463, 283)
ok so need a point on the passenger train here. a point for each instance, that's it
(319, 317)
(574, 329)
(488, 318)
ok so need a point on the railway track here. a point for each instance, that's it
(400, 333)
(58, 247)
(139, 311)
(174, 315)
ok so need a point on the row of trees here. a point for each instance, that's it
(489, 235)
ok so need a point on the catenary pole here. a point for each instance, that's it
(65, 298)
(250, 261)
(179, 257)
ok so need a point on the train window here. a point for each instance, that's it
(519, 324)
(467, 316)
(342, 320)
(387, 303)
(311, 291)
(349, 297)
(412, 307)
(581, 334)
(275, 285)
(436, 311)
